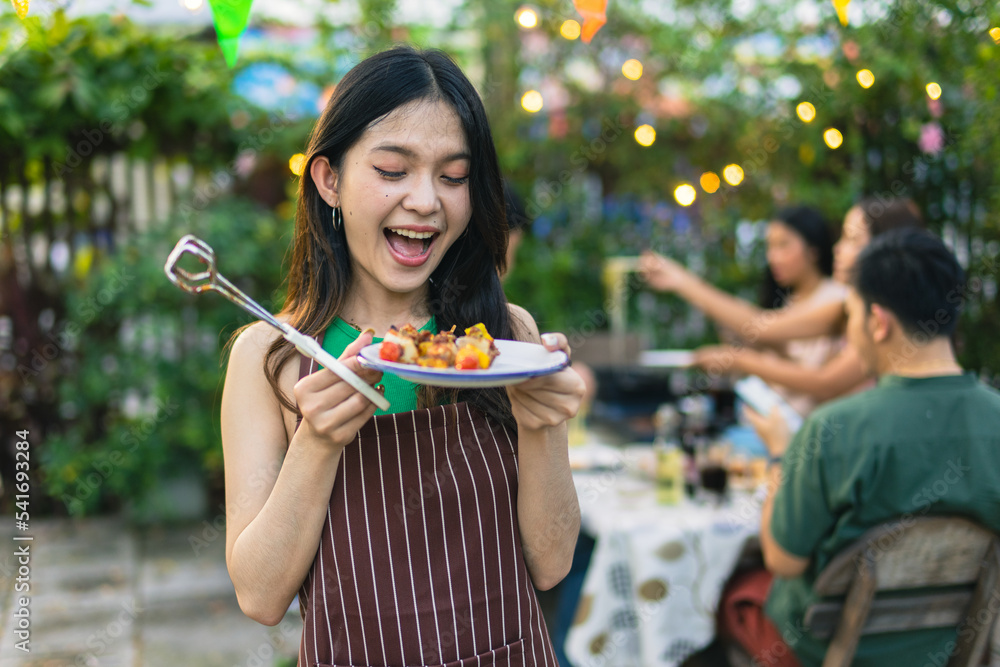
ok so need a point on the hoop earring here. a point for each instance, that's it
(338, 217)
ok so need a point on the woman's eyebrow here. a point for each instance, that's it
(409, 153)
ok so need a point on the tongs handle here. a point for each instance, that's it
(210, 280)
(310, 347)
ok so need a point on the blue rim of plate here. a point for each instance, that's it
(495, 376)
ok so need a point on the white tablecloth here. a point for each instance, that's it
(656, 574)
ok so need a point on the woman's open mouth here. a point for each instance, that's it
(409, 247)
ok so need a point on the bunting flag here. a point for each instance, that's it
(594, 13)
(230, 18)
(21, 7)
(841, 7)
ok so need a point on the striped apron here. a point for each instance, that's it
(420, 559)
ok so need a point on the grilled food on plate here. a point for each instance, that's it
(473, 351)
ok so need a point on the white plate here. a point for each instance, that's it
(667, 358)
(516, 363)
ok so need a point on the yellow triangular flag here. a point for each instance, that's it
(841, 7)
(21, 7)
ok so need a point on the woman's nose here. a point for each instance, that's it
(423, 197)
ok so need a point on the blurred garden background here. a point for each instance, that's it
(682, 125)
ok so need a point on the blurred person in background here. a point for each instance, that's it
(517, 224)
(842, 371)
(797, 278)
(867, 459)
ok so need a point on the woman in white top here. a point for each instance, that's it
(820, 316)
(799, 265)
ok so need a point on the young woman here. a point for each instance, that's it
(843, 372)
(411, 538)
(797, 278)
(799, 264)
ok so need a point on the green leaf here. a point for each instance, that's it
(52, 95)
(59, 28)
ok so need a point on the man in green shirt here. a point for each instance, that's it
(926, 440)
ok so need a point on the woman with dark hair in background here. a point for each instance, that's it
(412, 537)
(799, 266)
(797, 278)
(842, 373)
(799, 257)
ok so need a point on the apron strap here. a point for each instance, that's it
(306, 367)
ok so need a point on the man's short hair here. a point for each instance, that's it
(912, 273)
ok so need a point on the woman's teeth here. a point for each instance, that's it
(411, 234)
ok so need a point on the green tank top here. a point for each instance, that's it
(401, 394)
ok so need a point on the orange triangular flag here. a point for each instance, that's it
(594, 13)
(841, 7)
(21, 7)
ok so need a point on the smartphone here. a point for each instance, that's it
(758, 395)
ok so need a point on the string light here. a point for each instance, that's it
(806, 112)
(866, 78)
(570, 29)
(532, 101)
(297, 163)
(933, 90)
(733, 174)
(193, 5)
(632, 69)
(526, 17)
(833, 137)
(710, 182)
(685, 194)
(995, 34)
(645, 135)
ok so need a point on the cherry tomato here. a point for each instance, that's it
(390, 351)
(466, 362)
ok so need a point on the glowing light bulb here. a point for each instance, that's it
(526, 17)
(995, 34)
(297, 163)
(685, 194)
(632, 69)
(570, 29)
(933, 90)
(806, 112)
(193, 5)
(710, 182)
(833, 137)
(532, 101)
(645, 135)
(865, 78)
(733, 174)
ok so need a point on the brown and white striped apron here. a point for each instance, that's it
(420, 559)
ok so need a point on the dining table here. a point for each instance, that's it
(657, 572)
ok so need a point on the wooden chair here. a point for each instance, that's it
(930, 572)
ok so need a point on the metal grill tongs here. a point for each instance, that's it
(211, 280)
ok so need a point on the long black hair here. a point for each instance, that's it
(465, 287)
(813, 228)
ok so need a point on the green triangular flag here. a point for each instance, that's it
(230, 17)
